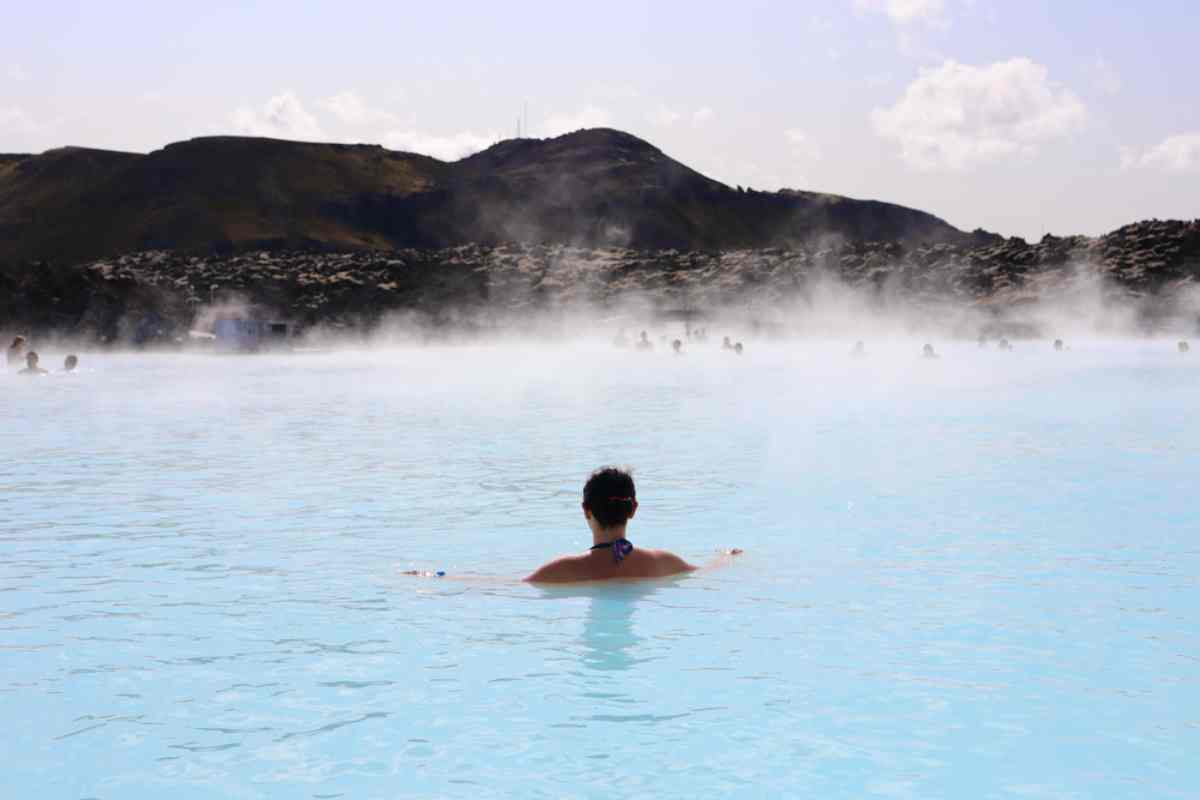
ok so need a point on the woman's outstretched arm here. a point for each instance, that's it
(723, 558)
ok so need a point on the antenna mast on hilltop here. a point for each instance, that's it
(523, 120)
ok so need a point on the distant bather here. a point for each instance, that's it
(31, 365)
(16, 351)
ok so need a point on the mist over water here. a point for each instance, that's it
(974, 575)
(1076, 301)
(551, 294)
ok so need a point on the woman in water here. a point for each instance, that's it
(609, 502)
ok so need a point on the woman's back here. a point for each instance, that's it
(599, 565)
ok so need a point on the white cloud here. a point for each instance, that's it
(819, 24)
(19, 131)
(1105, 78)
(958, 116)
(447, 148)
(912, 20)
(664, 117)
(587, 117)
(350, 108)
(906, 12)
(802, 145)
(614, 91)
(282, 117)
(15, 120)
(16, 73)
(1178, 153)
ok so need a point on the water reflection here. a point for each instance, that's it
(608, 642)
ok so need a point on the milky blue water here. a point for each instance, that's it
(975, 577)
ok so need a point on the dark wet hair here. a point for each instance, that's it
(609, 494)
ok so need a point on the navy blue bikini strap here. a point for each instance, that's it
(620, 548)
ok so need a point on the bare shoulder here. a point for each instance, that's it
(566, 568)
(667, 563)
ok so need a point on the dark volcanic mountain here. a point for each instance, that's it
(592, 188)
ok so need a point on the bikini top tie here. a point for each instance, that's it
(620, 548)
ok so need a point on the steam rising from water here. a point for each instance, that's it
(1077, 303)
(757, 304)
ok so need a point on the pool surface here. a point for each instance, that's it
(971, 577)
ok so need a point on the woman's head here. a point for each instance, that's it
(609, 497)
(17, 343)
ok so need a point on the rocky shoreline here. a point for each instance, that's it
(156, 297)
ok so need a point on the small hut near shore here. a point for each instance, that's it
(241, 334)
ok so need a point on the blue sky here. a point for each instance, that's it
(1019, 117)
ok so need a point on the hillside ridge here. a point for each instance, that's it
(596, 187)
